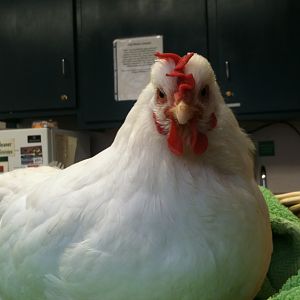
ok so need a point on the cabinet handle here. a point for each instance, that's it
(227, 70)
(63, 67)
(64, 97)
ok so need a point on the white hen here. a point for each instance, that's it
(169, 211)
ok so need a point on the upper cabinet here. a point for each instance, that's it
(99, 22)
(252, 45)
(254, 50)
(37, 56)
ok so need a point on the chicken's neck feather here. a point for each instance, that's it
(229, 150)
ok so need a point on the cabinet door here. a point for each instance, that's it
(255, 51)
(182, 24)
(37, 55)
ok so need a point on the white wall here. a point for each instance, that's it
(283, 169)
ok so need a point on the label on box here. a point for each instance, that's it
(31, 156)
(34, 138)
(3, 164)
(7, 147)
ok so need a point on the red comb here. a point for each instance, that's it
(183, 61)
(172, 56)
(185, 81)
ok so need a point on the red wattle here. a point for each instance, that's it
(200, 144)
(199, 140)
(175, 141)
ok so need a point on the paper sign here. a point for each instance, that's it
(7, 147)
(133, 59)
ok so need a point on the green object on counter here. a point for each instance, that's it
(283, 278)
(266, 148)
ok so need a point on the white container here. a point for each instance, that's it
(20, 148)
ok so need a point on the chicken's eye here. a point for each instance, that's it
(204, 94)
(204, 91)
(161, 96)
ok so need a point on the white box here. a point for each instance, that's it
(20, 148)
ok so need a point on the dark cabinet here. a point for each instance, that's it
(37, 56)
(255, 52)
(182, 24)
(252, 45)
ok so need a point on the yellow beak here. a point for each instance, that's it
(183, 112)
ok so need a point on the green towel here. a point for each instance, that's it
(283, 278)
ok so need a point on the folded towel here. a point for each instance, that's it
(290, 290)
(283, 278)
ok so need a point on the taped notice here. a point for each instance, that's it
(133, 59)
(7, 147)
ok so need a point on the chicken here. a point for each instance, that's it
(169, 211)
